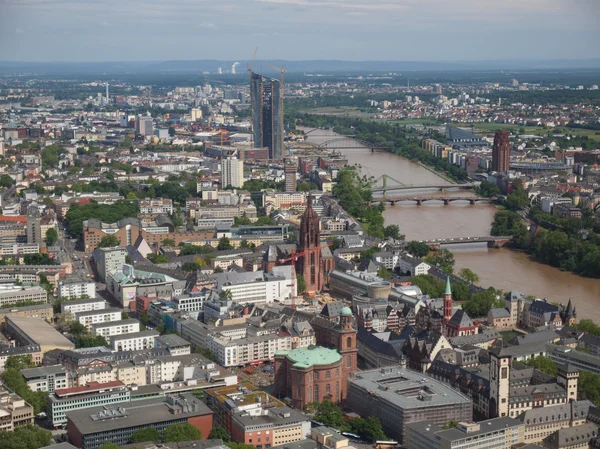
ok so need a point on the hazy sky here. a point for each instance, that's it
(429, 30)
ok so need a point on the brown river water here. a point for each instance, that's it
(502, 268)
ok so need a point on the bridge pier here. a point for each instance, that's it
(471, 201)
(392, 202)
(497, 243)
(419, 202)
(446, 201)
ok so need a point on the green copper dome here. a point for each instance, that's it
(345, 311)
(313, 355)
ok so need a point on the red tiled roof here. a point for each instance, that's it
(89, 388)
(84, 201)
(16, 218)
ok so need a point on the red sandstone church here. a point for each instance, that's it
(318, 262)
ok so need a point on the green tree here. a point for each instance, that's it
(131, 196)
(26, 437)
(518, 198)
(300, 284)
(181, 432)
(418, 249)
(393, 231)
(168, 242)
(589, 387)
(368, 428)
(443, 259)
(219, 433)
(460, 291)
(466, 274)
(108, 241)
(6, 181)
(51, 236)
(488, 189)
(429, 285)
(224, 244)
(19, 362)
(14, 381)
(329, 414)
(383, 273)
(188, 267)
(587, 325)
(481, 302)
(157, 258)
(171, 131)
(545, 364)
(146, 434)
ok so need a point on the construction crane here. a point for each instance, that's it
(293, 257)
(251, 66)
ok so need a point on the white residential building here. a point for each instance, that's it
(109, 260)
(84, 305)
(134, 342)
(232, 173)
(120, 327)
(76, 289)
(156, 206)
(257, 287)
(98, 316)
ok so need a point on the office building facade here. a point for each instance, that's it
(267, 114)
(501, 152)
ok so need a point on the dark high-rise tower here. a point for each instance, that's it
(501, 152)
(309, 265)
(267, 114)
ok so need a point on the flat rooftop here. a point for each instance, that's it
(406, 389)
(32, 373)
(141, 334)
(41, 332)
(134, 414)
(99, 312)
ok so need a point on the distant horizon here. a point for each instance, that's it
(243, 61)
(345, 30)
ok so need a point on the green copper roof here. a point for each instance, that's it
(448, 289)
(313, 355)
(345, 311)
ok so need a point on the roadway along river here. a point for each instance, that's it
(502, 268)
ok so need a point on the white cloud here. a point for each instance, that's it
(207, 25)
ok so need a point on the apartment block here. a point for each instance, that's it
(91, 395)
(46, 378)
(10, 294)
(119, 327)
(84, 305)
(14, 411)
(76, 289)
(98, 316)
(135, 341)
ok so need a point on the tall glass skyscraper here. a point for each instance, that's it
(267, 114)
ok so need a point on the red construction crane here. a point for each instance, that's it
(293, 257)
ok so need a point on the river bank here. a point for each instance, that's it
(504, 268)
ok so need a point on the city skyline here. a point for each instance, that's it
(74, 30)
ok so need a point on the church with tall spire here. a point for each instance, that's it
(457, 323)
(317, 261)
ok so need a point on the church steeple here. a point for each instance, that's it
(309, 265)
(447, 301)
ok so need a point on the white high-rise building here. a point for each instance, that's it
(196, 114)
(232, 172)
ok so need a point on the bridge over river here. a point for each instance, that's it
(497, 241)
(447, 200)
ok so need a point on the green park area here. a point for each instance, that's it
(537, 130)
